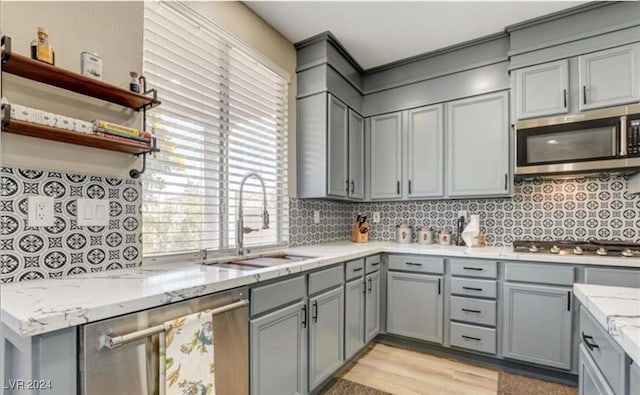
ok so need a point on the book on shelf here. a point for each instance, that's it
(124, 135)
(115, 128)
(124, 139)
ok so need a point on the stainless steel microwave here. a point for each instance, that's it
(606, 140)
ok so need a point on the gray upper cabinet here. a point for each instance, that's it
(478, 146)
(415, 306)
(385, 156)
(425, 152)
(610, 77)
(542, 89)
(356, 156)
(537, 324)
(326, 336)
(354, 317)
(337, 182)
(278, 352)
(372, 302)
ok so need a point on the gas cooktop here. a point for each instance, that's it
(569, 247)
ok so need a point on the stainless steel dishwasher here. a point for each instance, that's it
(121, 355)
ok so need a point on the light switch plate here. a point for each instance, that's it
(316, 216)
(40, 211)
(376, 217)
(93, 212)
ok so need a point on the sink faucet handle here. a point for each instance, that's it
(265, 219)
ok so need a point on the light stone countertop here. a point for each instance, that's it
(40, 306)
(617, 309)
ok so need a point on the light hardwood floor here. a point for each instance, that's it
(404, 372)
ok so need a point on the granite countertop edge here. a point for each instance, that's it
(40, 306)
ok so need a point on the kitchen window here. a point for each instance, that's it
(223, 115)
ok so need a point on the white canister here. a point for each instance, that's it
(445, 237)
(403, 233)
(425, 235)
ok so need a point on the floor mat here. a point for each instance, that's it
(513, 384)
(345, 387)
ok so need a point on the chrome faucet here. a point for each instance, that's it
(240, 228)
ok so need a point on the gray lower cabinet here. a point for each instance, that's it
(337, 131)
(590, 380)
(415, 306)
(542, 89)
(634, 378)
(385, 156)
(354, 317)
(537, 324)
(610, 77)
(326, 335)
(478, 146)
(372, 303)
(278, 352)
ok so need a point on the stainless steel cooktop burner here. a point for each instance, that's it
(570, 247)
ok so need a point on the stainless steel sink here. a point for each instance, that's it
(258, 262)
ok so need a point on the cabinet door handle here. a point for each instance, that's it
(364, 287)
(568, 300)
(477, 339)
(347, 185)
(439, 286)
(472, 288)
(398, 187)
(369, 285)
(472, 268)
(590, 345)
(584, 94)
(315, 311)
(624, 143)
(471, 311)
(564, 97)
(353, 186)
(304, 316)
(409, 187)
(506, 181)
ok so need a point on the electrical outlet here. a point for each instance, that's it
(316, 216)
(465, 214)
(376, 217)
(40, 211)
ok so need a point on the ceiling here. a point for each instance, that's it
(380, 32)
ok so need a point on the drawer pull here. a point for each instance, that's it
(375, 263)
(585, 340)
(472, 268)
(472, 311)
(357, 269)
(477, 339)
(413, 264)
(472, 289)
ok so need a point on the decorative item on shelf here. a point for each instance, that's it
(403, 233)
(134, 84)
(472, 231)
(41, 49)
(425, 235)
(445, 237)
(360, 230)
(91, 65)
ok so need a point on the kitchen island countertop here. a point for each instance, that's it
(40, 306)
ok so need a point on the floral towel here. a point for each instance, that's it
(186, 355)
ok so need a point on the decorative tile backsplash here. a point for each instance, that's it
(333, 226)
(63, 249)
(541, 209)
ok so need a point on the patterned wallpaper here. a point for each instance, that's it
(63, 249)
(541, 209)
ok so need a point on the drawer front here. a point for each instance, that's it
(278, 294)
(474, 268)
(354, 269)
(473, 337)
(325, 279)
(606, 354)
(543, 274)
(613, 277)
(472, 287)
(475, 311)
(419, 264)
(372, 263)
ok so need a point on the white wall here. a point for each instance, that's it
(113, 30)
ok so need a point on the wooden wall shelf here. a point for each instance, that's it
(68, 136)
(51, 75)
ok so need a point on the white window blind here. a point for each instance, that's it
(223, 115)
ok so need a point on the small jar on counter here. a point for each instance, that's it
(445, 237)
